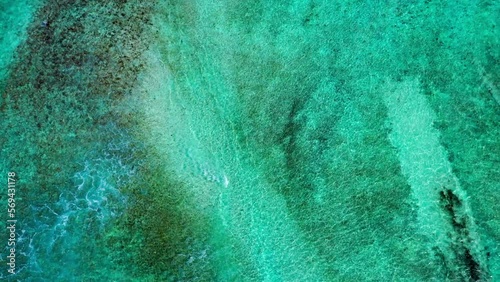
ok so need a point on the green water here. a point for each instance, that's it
(14, 18)
(264, 141)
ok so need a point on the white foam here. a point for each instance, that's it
(93, 200)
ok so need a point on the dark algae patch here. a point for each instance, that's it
(64, 137)
(161, 237)
(461, 237)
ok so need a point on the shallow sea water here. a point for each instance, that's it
(263, 141)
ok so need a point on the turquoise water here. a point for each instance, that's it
(264, 141)
(14, 18)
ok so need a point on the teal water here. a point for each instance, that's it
(264, 141)
(14, 18)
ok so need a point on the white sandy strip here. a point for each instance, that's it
(424, 161)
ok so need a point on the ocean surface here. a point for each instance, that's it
(250, 141)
